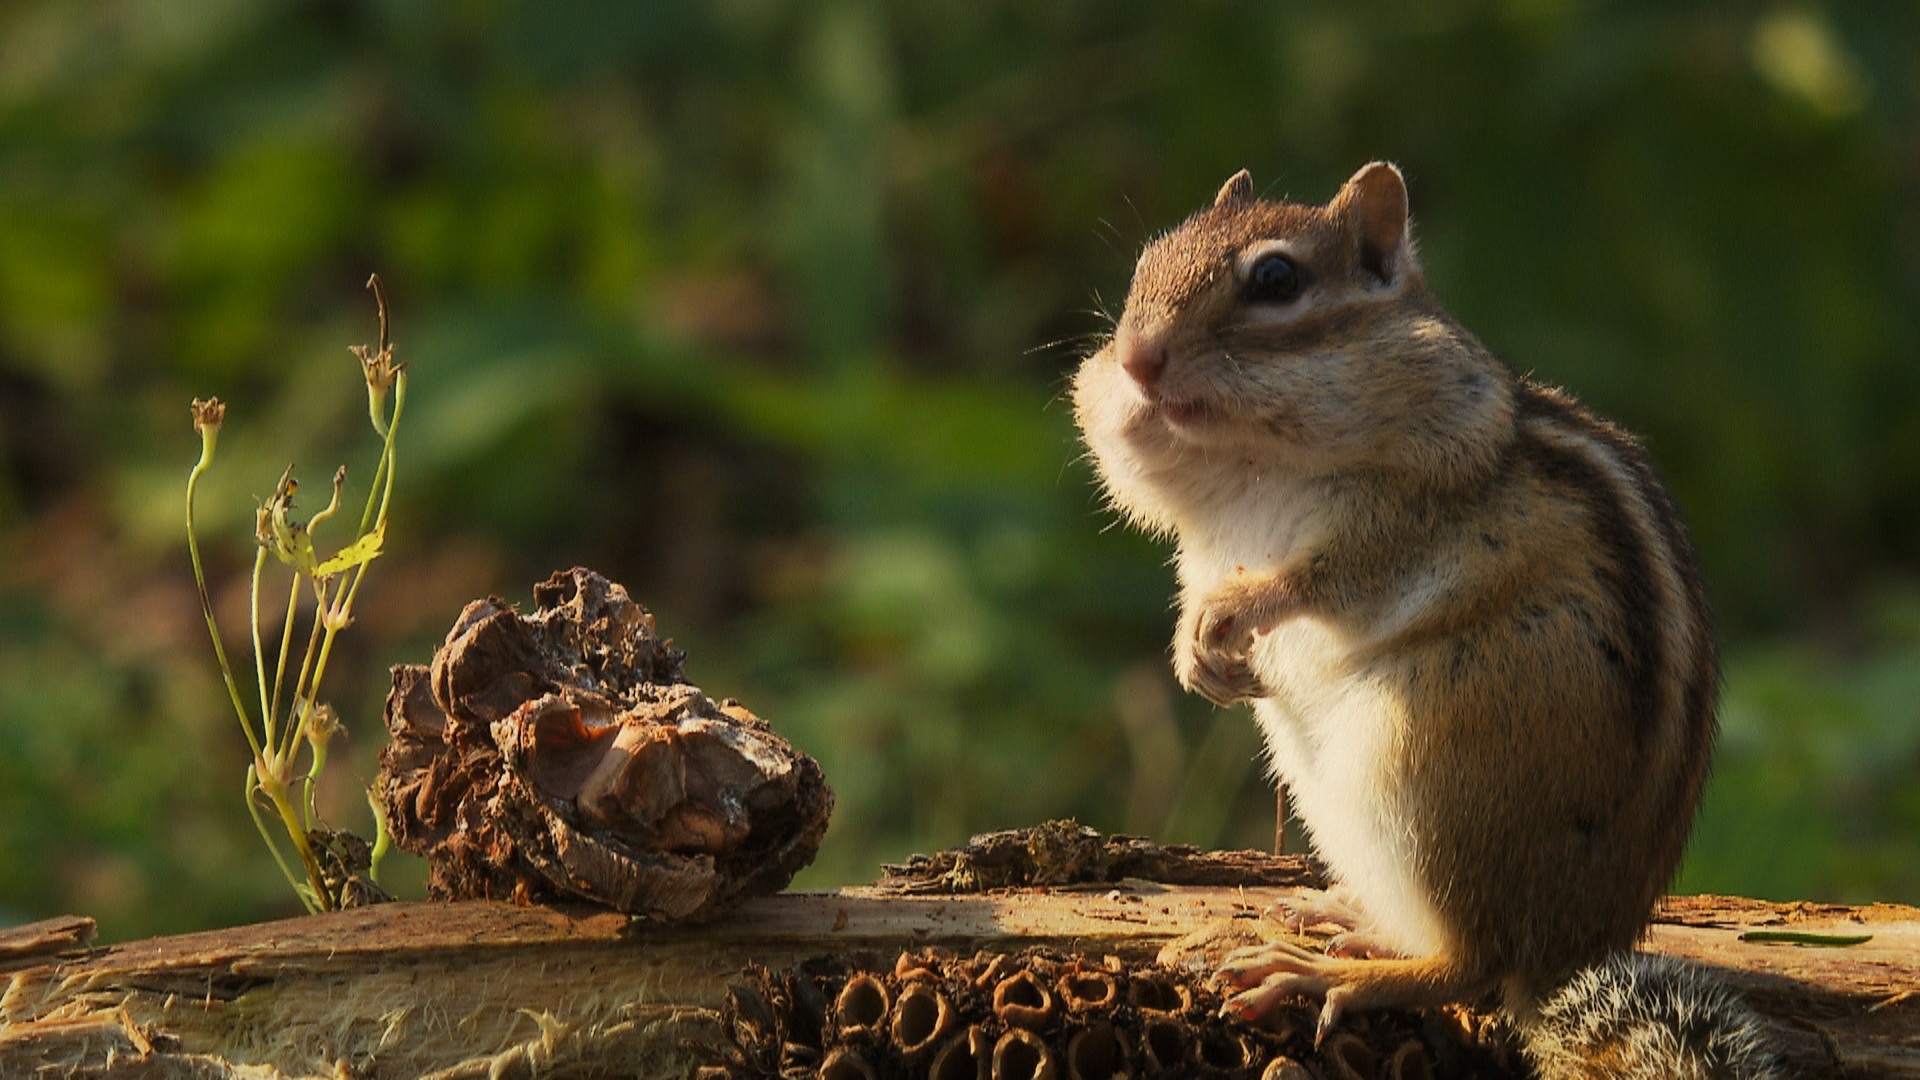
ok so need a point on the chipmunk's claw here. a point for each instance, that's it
(1268, 974)
(1220, 679)
(1308, 908)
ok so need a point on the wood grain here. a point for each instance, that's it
(407, 990)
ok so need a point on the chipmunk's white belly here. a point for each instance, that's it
(1329, 729)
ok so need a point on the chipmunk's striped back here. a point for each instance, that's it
(1667, 652)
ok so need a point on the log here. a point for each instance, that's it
(479, 989)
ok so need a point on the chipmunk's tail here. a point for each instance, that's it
(1639, 1016)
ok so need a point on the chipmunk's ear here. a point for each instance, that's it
(1374, 202)
(1237, 189)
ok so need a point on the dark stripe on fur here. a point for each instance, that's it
(1629, 565)
(1678, 795)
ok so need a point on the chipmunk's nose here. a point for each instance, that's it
(1142, 356)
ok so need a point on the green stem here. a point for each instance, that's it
(323, 615)
(313, 780)
(286, 644)
(277, 793)
(306, 691)
(260, 657)
(253, 810)
(383, 482)
(333, 504)
(341, 611)
(206, 605)
(383, 472)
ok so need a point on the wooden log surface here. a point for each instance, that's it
(478, 989)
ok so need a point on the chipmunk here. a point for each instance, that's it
(1465, 610)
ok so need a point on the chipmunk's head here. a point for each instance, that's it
(1247, 266)
(1289, 333)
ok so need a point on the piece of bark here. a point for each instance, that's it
(1068, 853)
(563, 755)
(30, 942)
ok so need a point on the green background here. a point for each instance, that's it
(767, 311)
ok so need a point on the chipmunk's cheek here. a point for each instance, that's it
(1115, 416)
(1102, 395)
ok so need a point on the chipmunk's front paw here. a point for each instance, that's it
(1213, 656)
(1218, 677)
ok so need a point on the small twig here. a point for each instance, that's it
(380, 299)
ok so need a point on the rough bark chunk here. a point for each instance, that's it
(563, 754)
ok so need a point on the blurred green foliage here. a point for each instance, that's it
(766, 310)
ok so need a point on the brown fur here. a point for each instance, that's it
(1495, 568)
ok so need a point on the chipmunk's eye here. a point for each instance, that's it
(1273, 280)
